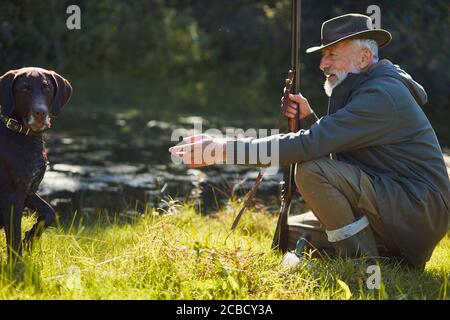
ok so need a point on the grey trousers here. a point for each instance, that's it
(338, 193)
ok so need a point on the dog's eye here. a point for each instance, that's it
(45, 86)
(26, 88)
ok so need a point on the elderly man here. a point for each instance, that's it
(371, 170)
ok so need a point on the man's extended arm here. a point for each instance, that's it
(368, 119)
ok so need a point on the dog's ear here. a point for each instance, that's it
(63, 91)
(6, 92)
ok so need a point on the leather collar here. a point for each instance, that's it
(16, 126)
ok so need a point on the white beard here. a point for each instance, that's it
(341, 76)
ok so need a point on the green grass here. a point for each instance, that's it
(183, 255)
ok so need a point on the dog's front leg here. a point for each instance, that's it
(45, 216)
(12, 221)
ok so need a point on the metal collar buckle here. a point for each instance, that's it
(15, 125)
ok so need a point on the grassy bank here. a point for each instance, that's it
(183, 255)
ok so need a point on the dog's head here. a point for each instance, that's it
(32, 95)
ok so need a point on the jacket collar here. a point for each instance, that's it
(342, 92)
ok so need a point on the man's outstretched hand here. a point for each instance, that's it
(200, 150)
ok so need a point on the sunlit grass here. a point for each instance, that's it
(179, 254)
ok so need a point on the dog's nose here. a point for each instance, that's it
(40, 112)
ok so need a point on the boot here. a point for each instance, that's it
(354, 240)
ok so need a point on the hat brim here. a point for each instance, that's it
(381, 36)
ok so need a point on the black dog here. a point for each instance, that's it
(28, 97)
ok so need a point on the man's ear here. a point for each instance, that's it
(63, 92)
(365, 58)
(6, 92)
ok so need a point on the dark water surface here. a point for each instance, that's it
(120, 163)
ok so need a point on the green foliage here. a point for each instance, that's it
(218, 56)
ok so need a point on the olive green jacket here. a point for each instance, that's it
(375, 121)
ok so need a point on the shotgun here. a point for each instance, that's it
(292, 85)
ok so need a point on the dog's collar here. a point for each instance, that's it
(16, 126)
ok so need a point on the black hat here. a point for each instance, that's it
(350, 26)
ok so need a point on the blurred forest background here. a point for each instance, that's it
(222, 58)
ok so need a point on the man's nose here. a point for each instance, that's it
(324, 63)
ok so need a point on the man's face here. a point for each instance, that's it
(337, 61)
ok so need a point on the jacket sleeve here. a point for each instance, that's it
(308, 121)
(368, 119)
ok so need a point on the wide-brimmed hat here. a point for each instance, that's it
(350, 26)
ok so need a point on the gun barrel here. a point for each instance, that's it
(280, 240)
(293, 124)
